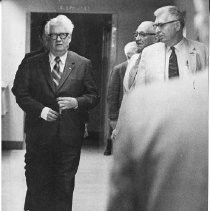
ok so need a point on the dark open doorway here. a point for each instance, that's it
(92, 39)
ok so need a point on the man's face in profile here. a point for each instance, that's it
(165, 26)
(143, 38)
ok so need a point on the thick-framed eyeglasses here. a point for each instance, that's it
(162, 24)
(61, 35)
(142, 34)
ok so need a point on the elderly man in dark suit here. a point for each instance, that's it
(115, 90)
(55, 90)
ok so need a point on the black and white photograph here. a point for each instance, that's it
(104, 105)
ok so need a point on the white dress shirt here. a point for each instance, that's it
(62, 62)
(181, 51)
(52, 62)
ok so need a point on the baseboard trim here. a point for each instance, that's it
(12, 145)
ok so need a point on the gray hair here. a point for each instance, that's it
(173, 11)
(59, 20)
(130, 47)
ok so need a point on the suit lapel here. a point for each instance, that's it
(69, 65)
(47, 70)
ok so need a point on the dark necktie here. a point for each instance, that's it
(173, 69)
(56, 73)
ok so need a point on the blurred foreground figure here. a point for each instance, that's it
(161, 151)
(161, 161)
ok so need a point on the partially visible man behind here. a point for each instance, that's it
(175, 55)
(55, 89)
(115, 91)
(144, 36)
(161, 157)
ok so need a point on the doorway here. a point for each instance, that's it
(92, 39)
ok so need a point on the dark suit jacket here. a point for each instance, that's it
(115, 90)
(28, 55)
(34, 89)
(161, 152)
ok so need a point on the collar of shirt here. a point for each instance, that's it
(181, 53)
(62, 62)
(177, 47)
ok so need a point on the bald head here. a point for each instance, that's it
(146, 27)
(130, 49)
(145, 35)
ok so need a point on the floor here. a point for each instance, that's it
(91, 188)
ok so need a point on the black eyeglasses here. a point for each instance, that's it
(61, 35)
(142, 34)
(162, 24)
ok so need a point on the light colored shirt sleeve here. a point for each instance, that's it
(76, 102)
(44, 113)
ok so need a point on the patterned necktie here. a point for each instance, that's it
(56, 74)
(173, 69)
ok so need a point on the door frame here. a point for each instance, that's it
(110, 53)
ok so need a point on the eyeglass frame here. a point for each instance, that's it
(162, 24)
(142, 34)
(58, 35)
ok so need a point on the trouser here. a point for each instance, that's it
(50, 174)
(109, 140)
